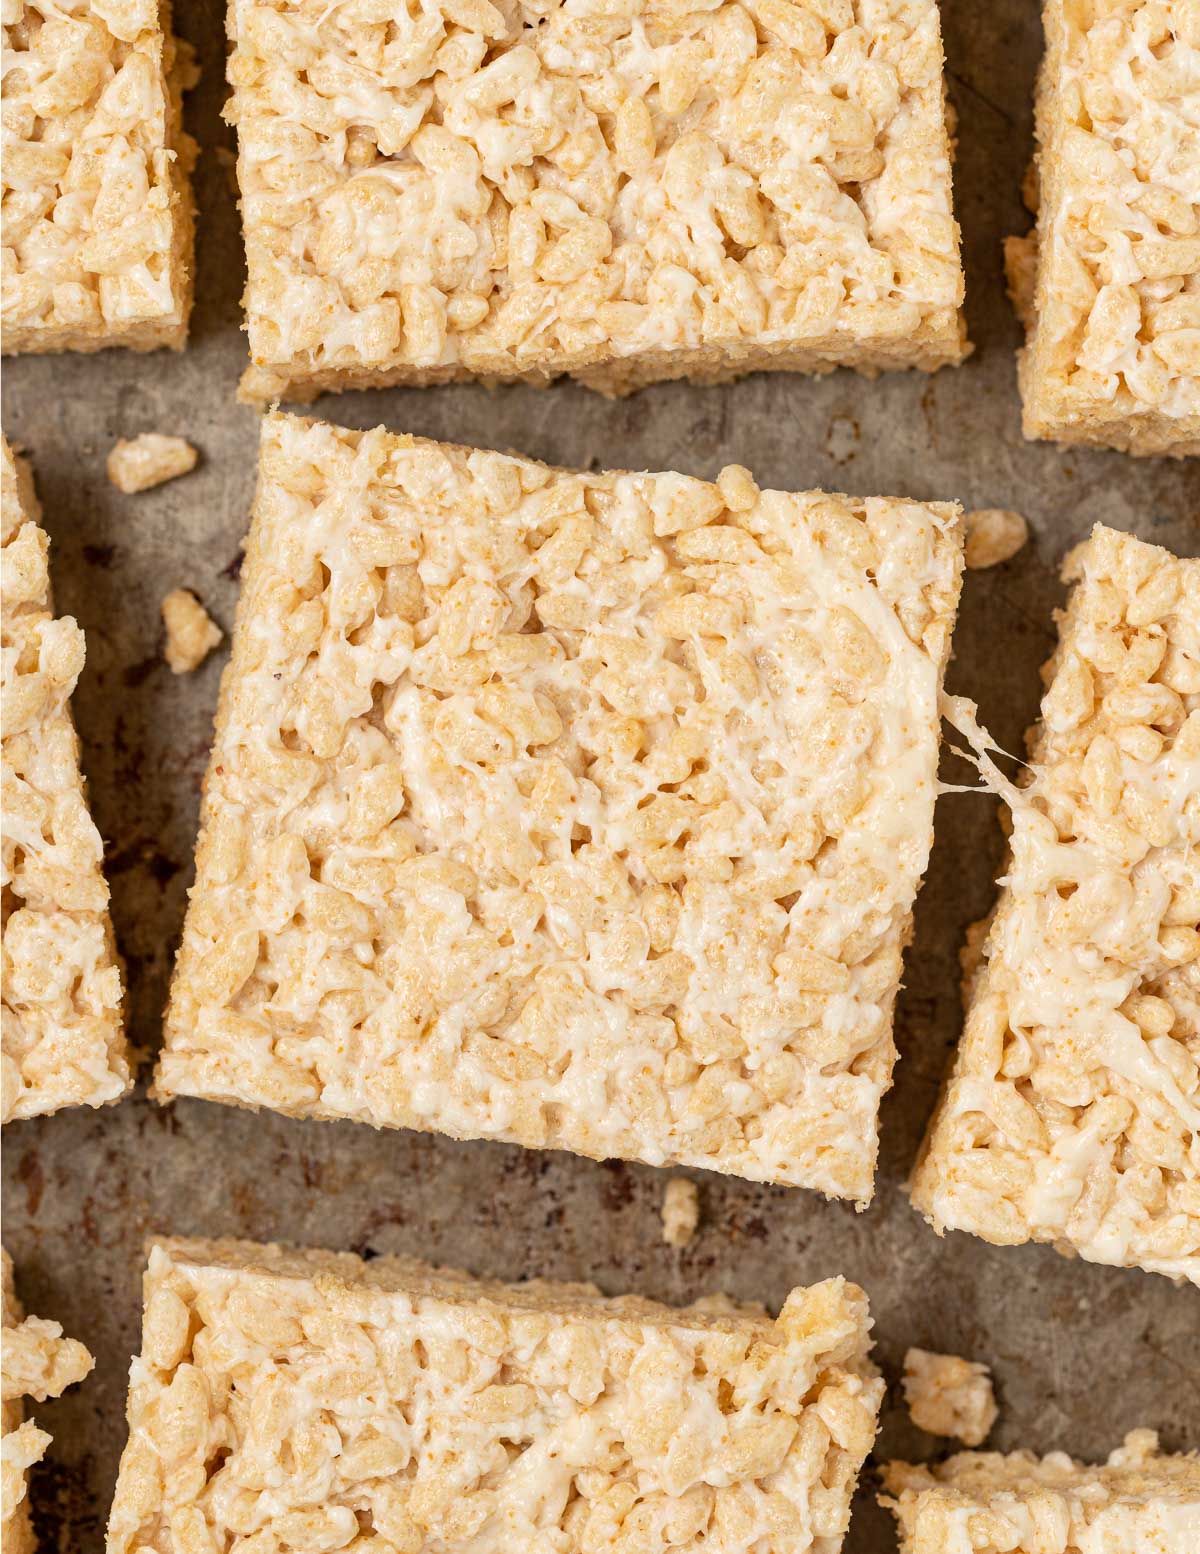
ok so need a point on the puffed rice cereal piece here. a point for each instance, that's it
(307, 1400)
(1072, 1113)
(138, 463)
(680, 1211)
(61, 1024)
(950, 1396)
(1112, 355)
(36, 1361)
(580, 811)
(624, 192)
(1142, 1501)
(97, 205)
(191, 631)
(993, 535)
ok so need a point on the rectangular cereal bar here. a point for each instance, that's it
(1072, 1113)
(37, 1362)
(63, 1037)
(308, 1400)
(991, 1503)
(1110, 282)
(624, 192)
(580, 811)
(97, 213)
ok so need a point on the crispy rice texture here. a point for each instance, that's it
(35, 1361)
(1113, 352)
(625, 192)
(97, 206)
(990, 1503)
(1072, 1114)
(61, 1023)
(308, 1400)
(581, 811)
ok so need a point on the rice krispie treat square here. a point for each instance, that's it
(1072, 1114)
(308, 1400)
(37, 1362)
(1142, 1502)
(622, 192)
(1110, 282)
(582, 811)
(97, 208)
(61, 1025)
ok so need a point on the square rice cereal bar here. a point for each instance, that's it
(1142, 1501)
(1110, 282)
(61, 1022)
(37, 1362)
(308, 1400)
(1072, 1113)
(581, 811)
(622, 191)
(97, 207)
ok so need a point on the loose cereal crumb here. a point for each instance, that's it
(149, 459)
(36, 1361)
(63, 1036)
(994, 534)
(463, 685)
(1071, 1111)
(402, 1390)
(191, 631)
(1141, 1499)
(948, 1395)
(680, 1211)
(1031, 189)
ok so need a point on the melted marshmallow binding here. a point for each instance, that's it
(306, 1400)
(1110, 282)
(97, 207)
(1142, 1501)
(61, 1022)
(624, 192)
(581, 811)
(1072, 1114)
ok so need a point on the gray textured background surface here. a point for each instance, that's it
(1080, 1353)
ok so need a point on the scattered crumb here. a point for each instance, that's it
(680, 1211)
(994, 535)
(950, 1396)
(191, 631)
(1031, 192)
(1020, 273)
(138, 463)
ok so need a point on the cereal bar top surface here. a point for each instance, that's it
(63, 1038)
(1073, 1113)
(96, 226)
(309, 1400)
(992, 1503)
(531, 188)
(584, 811)
(1118, 295)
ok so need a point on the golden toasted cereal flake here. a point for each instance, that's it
(990, 1503)
(1072, 1114)
(63, 1038)
(97, 218)
(1113, 349)
(624, 192)
(191, 632)
(138, 463)
(576, 810)
(435, 1411)
(948, 1395)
